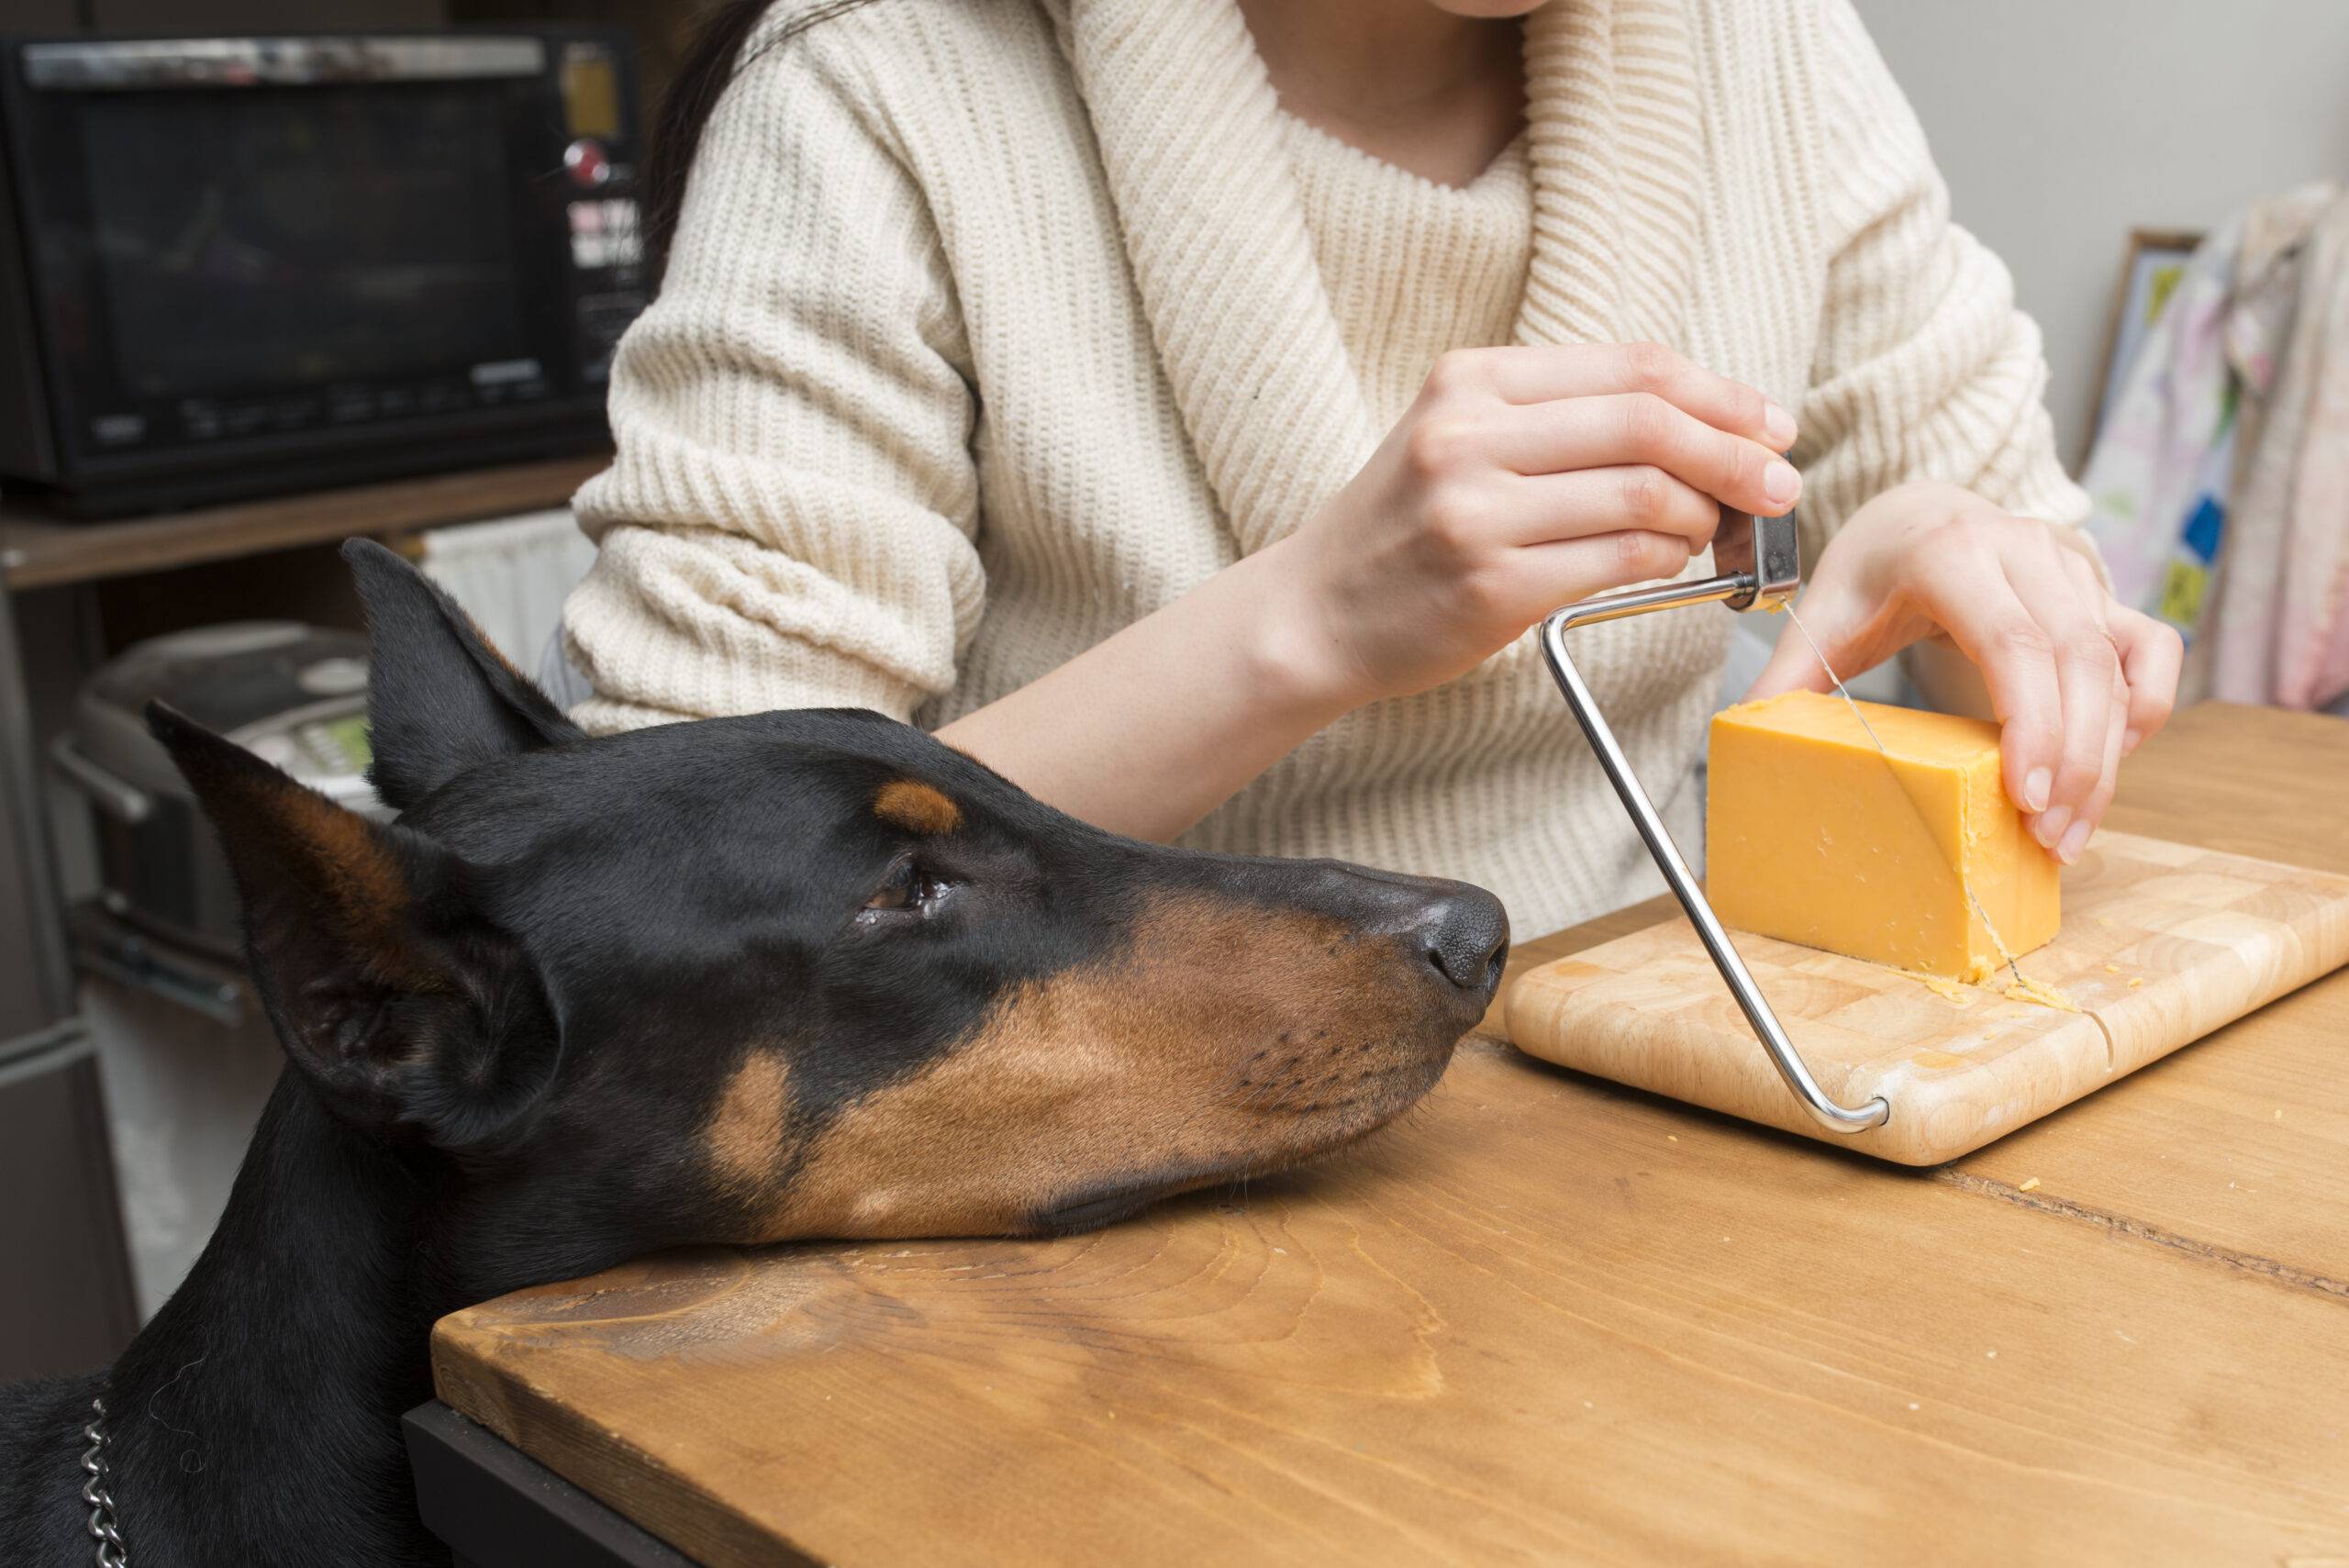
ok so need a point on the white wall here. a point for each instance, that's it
(2064, 124)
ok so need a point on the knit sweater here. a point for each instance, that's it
(992, 326)
(1412, 268)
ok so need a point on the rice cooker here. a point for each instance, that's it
(294, 696)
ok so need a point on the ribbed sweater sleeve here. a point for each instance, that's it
(1923, 367)
(790, 516)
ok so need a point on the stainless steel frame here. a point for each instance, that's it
(1761, 569)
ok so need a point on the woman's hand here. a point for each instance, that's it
(1520, 479)
(1523, 479)
(2076, 679)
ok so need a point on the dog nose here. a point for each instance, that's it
(1465, 936)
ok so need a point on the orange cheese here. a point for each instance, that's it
(1813, 836)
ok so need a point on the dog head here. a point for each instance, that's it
(798, 975)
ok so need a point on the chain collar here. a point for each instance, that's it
(109, 1550)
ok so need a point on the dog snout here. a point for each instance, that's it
(1458, 929)
(1464, 935)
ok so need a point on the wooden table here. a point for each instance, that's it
(1546, 1318)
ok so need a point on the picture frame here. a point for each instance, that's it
(2156, 260)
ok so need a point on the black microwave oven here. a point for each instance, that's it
(235, 265)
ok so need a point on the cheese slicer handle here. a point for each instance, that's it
(1759, 568)
(1766, 549)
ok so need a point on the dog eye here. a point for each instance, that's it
(906, 888)
(898, 891)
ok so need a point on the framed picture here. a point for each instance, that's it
(2157, 259)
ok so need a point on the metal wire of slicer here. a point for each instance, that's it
(1760, 566)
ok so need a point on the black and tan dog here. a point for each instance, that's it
(806, 975)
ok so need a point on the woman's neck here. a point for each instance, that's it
(258, 1413)
(1402, 80)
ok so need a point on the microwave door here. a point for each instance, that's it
(292, 239)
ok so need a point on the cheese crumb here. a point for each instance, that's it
(2032, 1185)
(1949, 990)
(2044, 995)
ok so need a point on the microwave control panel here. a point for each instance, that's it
(603, 219)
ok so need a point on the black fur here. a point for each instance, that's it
(512, 1017)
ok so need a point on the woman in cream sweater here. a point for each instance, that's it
(1186, 405)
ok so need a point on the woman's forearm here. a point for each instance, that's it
(1147, 733)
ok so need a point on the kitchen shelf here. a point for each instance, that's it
(38, 550)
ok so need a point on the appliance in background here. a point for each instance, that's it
(235, 265)
(294, 696)
(65, 1285)
(161, 940)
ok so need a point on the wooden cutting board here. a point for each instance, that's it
(2161, 944)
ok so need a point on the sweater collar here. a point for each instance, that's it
(1186, 122)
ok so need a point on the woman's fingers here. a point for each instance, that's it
(2091, 812)
(1583, 502)
(1640, 428)
(1566, 572)
(1545, 373)
(2152, 654)
(1969, 598)
(2090, 588)
(2072, 639)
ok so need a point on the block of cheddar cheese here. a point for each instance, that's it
(1814, 836)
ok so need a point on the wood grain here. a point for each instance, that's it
(2161, 944)
(1550, 1318)
(41, 552)
(2242, 1142)
(2238, 1146)
(1508, 1331)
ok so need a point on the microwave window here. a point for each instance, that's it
(264, 238)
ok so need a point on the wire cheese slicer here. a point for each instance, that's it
(1759, 564)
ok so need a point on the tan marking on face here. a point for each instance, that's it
(745, 1134)
(916, 808)
(1230, 1040)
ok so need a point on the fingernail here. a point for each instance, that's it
(2035, 785)
(2074, 842)
(1781, 482)
(1778, 426)
(2129, 738)
(2050, 827)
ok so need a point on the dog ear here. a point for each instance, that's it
(409, 1014)
(439, 698)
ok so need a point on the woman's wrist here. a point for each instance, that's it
(1290, 639)
(1148, 732)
